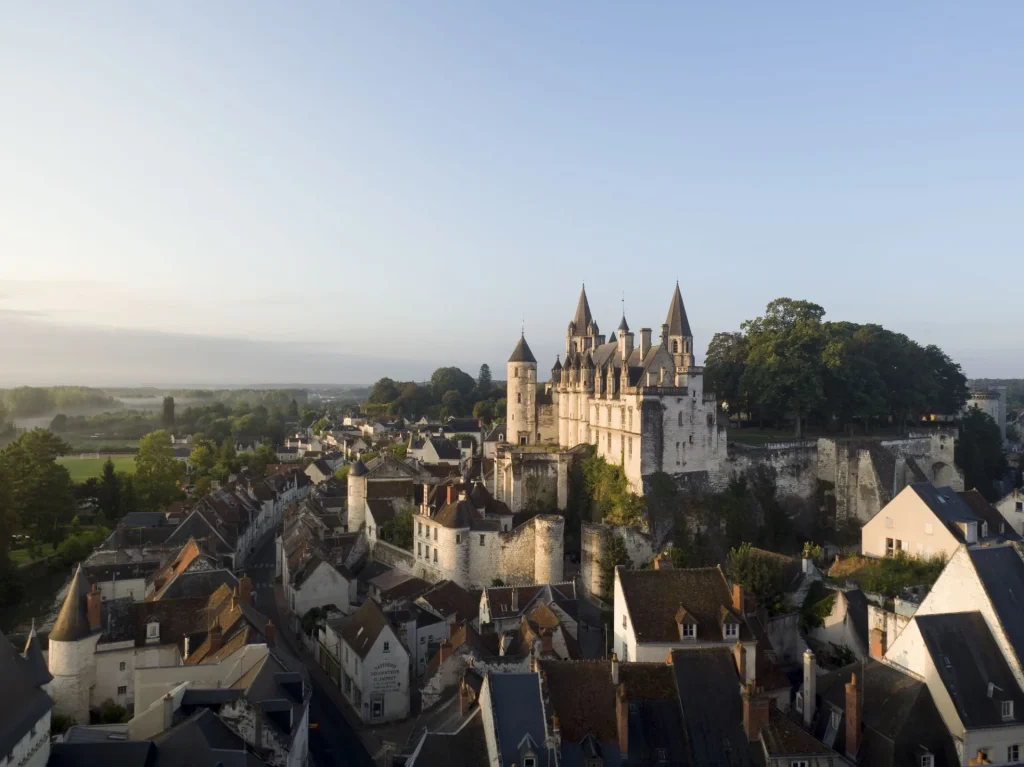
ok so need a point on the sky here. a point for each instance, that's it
(241, 192)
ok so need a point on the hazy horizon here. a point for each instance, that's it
(243, 192)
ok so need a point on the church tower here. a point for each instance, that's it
(583, 334)
(676, 333)
(521, 407)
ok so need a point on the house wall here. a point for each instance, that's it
(325, 586)
(279, 751)
(152, 683)
(449, 673)
(33, 750)
(487, 718)
(784, 635)
(906, 518)
(1013, 514)
(123, 587)
(838, 629)
(73, 667)
(383, 675)
(890, 623)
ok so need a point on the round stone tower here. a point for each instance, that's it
(72, 649)
(521, 407)
(549, 531)
(357, 495)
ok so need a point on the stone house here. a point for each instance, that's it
(420, 632)
(373, 665)
(319, 471)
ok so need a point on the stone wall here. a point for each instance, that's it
(594, 541)
(516, 559)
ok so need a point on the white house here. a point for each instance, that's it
(421, 633)
(664, 609)
(922, 520)
(25, 706)
(374, 666)
(316, 583)
(1011, 506)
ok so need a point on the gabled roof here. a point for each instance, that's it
(445, 448)
(518, 714)
(968, 661)
(946, 505)
(448, 598)
(73, 621)
(35, 663)
(522, 352)
(990, 514)
(456, 515)
(467, 746)
(361, 629)
(678, 324)
(1001, 572)
(497, 434)
(653, 597)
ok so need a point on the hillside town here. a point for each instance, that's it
(602, 573)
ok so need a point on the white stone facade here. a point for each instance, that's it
(33, 750)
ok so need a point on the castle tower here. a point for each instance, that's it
(583, 334)
(72, 649)
(521, 407)
(549, 531)
(676, 333)
(356, 496)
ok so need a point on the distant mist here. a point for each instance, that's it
(38, 353)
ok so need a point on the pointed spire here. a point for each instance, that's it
(33, 655)
(522, 352)
(558, 364)
(73, 621)
(678, 324)
(623, 326)
(583, 317)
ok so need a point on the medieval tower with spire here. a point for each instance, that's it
(639, 400)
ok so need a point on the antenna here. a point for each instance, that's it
(522, 328)
(623, 303)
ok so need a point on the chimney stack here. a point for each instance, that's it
(444, 652)
(515, 599)
(755, 711)
(547, 645)
(615, 669)
(93, 608)
(739, 654)
(270, 633)
(245, 589)
(645, 341)
(853, 712)
(663, 562)
(448, 496)
(168, 705)
(738, 603)
(877, 643)
(622, 718)
(810, 687)
(216, 637)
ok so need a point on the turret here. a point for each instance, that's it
(556, 372)
(72, 646)
(677, 334)
(357, 495)
(521, 397)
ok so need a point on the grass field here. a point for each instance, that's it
(83, 468)
(22, 558)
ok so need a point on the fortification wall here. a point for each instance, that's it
(792, 467)
(516, 558)
(595, 540)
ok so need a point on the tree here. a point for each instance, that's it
(784, 364)
(307, 417)
(41, 493)
(398, 529)
(979, 452)
(167, 415)
(341, 473)
(723, 369)
(109, 494)
(59, 423)
(448, 379)
(613, 555)
(483, 382)
(384, 391)
(293, 409)
(202, 457)
(452, 403)
(157, 472)
(261, 457)
(760, 574)
(320, 425)
(129, 499)
(484, 410)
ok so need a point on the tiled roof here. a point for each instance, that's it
(389, 489)
(653, 597)
(678, 324)
(448, 598)
(361, 629)
(522, 352)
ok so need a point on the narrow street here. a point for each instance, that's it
(335, 741)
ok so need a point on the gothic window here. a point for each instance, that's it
(631, 419)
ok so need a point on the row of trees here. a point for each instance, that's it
(790, 363)
(28, 401)
(450, 392)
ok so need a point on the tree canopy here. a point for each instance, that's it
(979, 452)
(158, 473)
(449, 393)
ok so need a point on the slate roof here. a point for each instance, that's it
(857, 611)
(389, 489)
(23, 702)
(1001, 571)
(713, 719)
(654, 596)
(498, 429)
(358, 469)
(446, 449)
(177, 618)
(463, 425)
(967, 660)
(623, 326)
(947, 506)
(784, 737)
(382, 509)
(518, 713)
(202, 740)
(198, 585)
(456, 515)
(583, 317)
(467, 746)
(678, 324)
(522, 352)
(448, 598)
(990, 514)
(124, 753)
(143, 519)
(73, 620)
(35, 663)
(899, 716)
(361, 629)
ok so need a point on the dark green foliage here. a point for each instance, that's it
(608, 491)
(167, 412)
(614, 554)
(313, 620)
(450, 393)
(61, 723)
(979, 452)
(817, 606)
(111, 713)
(890, 576)
(27, 401)
(761, 575)
(484, 382)
(36, 492)
(12, 586)
(78, 546)
(398, 530)
(109, 493)
(158, 474)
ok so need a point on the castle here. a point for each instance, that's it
(641, 405)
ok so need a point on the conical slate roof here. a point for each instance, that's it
(611, 338)
(583, 317)
(358, 469)
(623, 327)
(557, 365)
(34, 661)
(522, 352)
(678, 324)
(73, 621)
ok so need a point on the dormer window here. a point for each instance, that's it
(1007, 710)
(688, 631)
(731, 630)
(687, 624)
(153, 630)
(927, 760)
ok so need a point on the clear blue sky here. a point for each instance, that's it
(406, 181)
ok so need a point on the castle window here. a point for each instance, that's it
(419, 528)
(481, 540)
(122, 666)
(630, 447)
(680, 417)
(675, 347)
(519, 397)
(458, 538)
(435, 533)
(515, 372)
(419, 549)
(435, 555)
(427, 550)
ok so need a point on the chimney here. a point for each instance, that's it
(664, 335)
(738, 603)
(448, 496)
(444, 652)
(622, 718)
(853, 711)
(645, 341)
(216, 638)
(547, 646)
(739, 654)
(663, 562)
(810, 687)
(877, 642)
(245, 589)
(270, 633)
(93, 602)
(755, 711)
(615, 669)
(626, 340)
(515, 599)
(168, 711)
